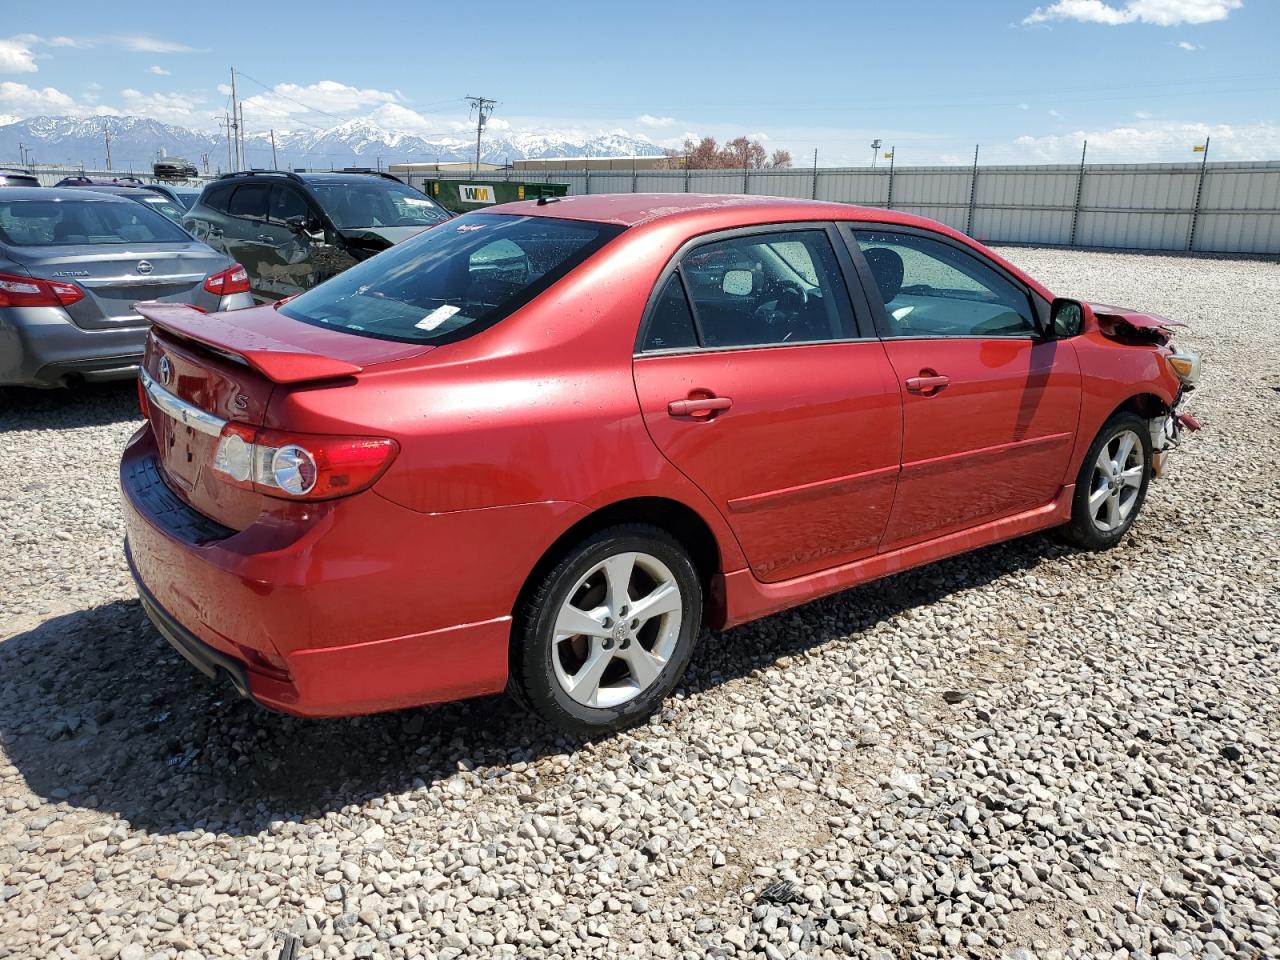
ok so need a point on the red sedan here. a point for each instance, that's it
(538, 448)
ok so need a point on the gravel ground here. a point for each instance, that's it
(1024, 752)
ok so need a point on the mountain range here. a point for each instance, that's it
(138, 141)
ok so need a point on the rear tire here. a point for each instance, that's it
(1112, 484)
(607, 632)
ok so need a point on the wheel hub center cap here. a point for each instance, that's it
(621, 632)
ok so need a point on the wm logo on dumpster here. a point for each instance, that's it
(476, 194)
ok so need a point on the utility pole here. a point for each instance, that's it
(274, 164)
(226, 120)
(234, 127)
(106, 137)
(243, 162)
(875, 151)
(483, 106)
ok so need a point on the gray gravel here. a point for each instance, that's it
(1025, 752)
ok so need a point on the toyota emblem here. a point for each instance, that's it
(144, 266)
(166, 371)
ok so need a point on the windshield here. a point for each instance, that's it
(376, 203)
(450, 282)
(46, 223)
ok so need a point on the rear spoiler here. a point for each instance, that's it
(278, 361)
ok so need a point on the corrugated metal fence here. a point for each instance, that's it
(1214, 207)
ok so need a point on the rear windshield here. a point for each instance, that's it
(453, 280)
(161, 204)
(376, 203)
(48, 223)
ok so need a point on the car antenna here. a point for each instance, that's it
(543, 201)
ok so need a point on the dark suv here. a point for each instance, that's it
(293, 230)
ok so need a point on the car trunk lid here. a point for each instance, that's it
(113, 280)
(226, 367)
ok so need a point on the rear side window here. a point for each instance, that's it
(47, 223)
(671, 322)
(249, 200)
(453, 280)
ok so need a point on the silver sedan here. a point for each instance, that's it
(72, 265)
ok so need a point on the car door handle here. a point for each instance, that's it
(928, 383)
(698, 406)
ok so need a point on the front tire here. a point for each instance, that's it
(1112, 484)
(607, 632)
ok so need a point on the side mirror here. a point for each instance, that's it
(303, 225)
(1066, 318)
(737, 283)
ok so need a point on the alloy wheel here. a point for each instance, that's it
(1117, 481)
(617, 630)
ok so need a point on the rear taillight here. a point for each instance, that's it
(301, 466)
(234, 279)
(16, 291)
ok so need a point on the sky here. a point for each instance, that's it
(1025, 81)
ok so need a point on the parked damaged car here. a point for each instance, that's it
(538, 448)
(294, 230)
(73, 263)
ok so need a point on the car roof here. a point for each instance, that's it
(634, 209)
(60, 193)
(115, 189)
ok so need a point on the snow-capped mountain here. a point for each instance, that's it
(137, 141)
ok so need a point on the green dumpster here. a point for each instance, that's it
(463, 195)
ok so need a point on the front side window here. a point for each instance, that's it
(250, 200)
(933, 289)
(447, 283)
(45, 223)
(377, 203)
(767, 289)
(287, 202)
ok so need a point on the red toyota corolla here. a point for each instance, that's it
(537, 448)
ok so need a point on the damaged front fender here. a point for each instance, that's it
(1133, 326)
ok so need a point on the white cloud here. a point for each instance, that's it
(1156, 141)
(1143, 115)
(1024, 106)
(1163, 13)
(1055, 114)
(33, 100)
(1184, 45)
(141, 43)
(286, 100)
(16, 56)
(158, 71)
(165, 107)
(497, 123)
(65, 42)
(649, 120)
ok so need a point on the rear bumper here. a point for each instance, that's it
(41, 347)
(356, 606)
